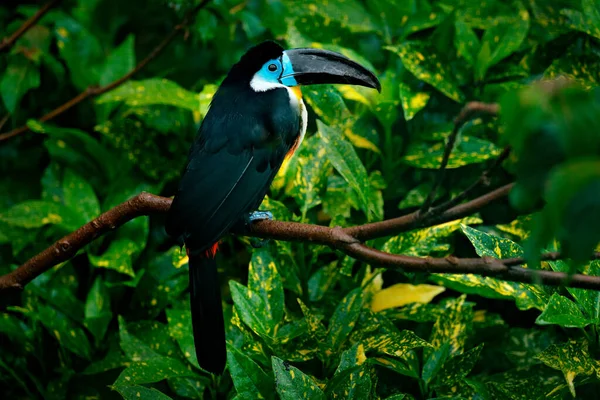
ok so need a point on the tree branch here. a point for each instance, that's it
(465, 115)
(347, 240)
(8, 41)
(94, 91)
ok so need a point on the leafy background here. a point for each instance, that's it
(302, 320)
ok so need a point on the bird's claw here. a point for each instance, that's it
(258, 216)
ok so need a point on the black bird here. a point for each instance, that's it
(256, 119)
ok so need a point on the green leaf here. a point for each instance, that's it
(349, 14)
(20, 76)
(394, 344)
(344, 318)
(293, 384)
(249, 379)
(458, 367)
(536, 382)
(264, 280)
(466, 41)
(180, 329)
(467, 150)
(117, 257)
(152, 370)
(587, 21)
(37, 213)
(500, 41)
(120, 61)
(413, 100)
(353, 357)
(572, 358)
(426, 241)
(434, 362)
(79, 196)
(310, 177)
(322, 280)
(588, 300)
(145, 340)
(344, 159)
(562, 311)
(251, 308)
(422, 61)
(353, 384)
(151, 92)
(526, 296)
(97, 309)
(137, 392)
(453, 326)
(66, 332)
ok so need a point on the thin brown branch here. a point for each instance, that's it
(347, 240)
(7, 42)
(4, 119)
(94, 91)
(465, 115)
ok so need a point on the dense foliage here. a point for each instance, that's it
(304, 321)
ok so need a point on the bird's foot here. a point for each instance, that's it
(258, 216)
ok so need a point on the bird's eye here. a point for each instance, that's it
(272, 67)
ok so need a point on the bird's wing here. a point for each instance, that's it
(228, 174)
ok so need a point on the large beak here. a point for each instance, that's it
(314, 66)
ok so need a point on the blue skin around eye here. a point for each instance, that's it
(286, 77)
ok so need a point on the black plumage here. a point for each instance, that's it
(240, 146)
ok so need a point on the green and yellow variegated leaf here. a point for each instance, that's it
(153, 91)
(466, 41)
(467, 150)
(293, 384)
(344, 319)
(401, 294)
(453, 326)
(323, 279)
(353, 357)
(265, 281)
(572, 359)
(152, 370)
(527, 384)
(310, 177)
(562, 311)
(396, 344)
(587, 299)
(136, 392)
(423, 62)
(350, 14)
(344, 159)
(180, 329)
(250, 381)
(520, 227)
(458, 367)
(417, 312)
(69, 335)
(119, 257)
(351, 384)
(582, 69)
(397, 365)
(426, 241)
(501, 40)
(251, 309)
(587, 21)
(526, 296)
(313, 322)
(413, 99)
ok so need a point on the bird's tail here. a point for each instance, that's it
(207, 312)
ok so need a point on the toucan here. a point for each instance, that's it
(256, 120)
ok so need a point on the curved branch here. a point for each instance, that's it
(94, 91)
(7, 42)
(466, 114)
(347, 240)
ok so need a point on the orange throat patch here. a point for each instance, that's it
(297, 92)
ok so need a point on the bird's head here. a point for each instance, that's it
(268, 66)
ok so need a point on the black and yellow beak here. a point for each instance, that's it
(316, 66)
